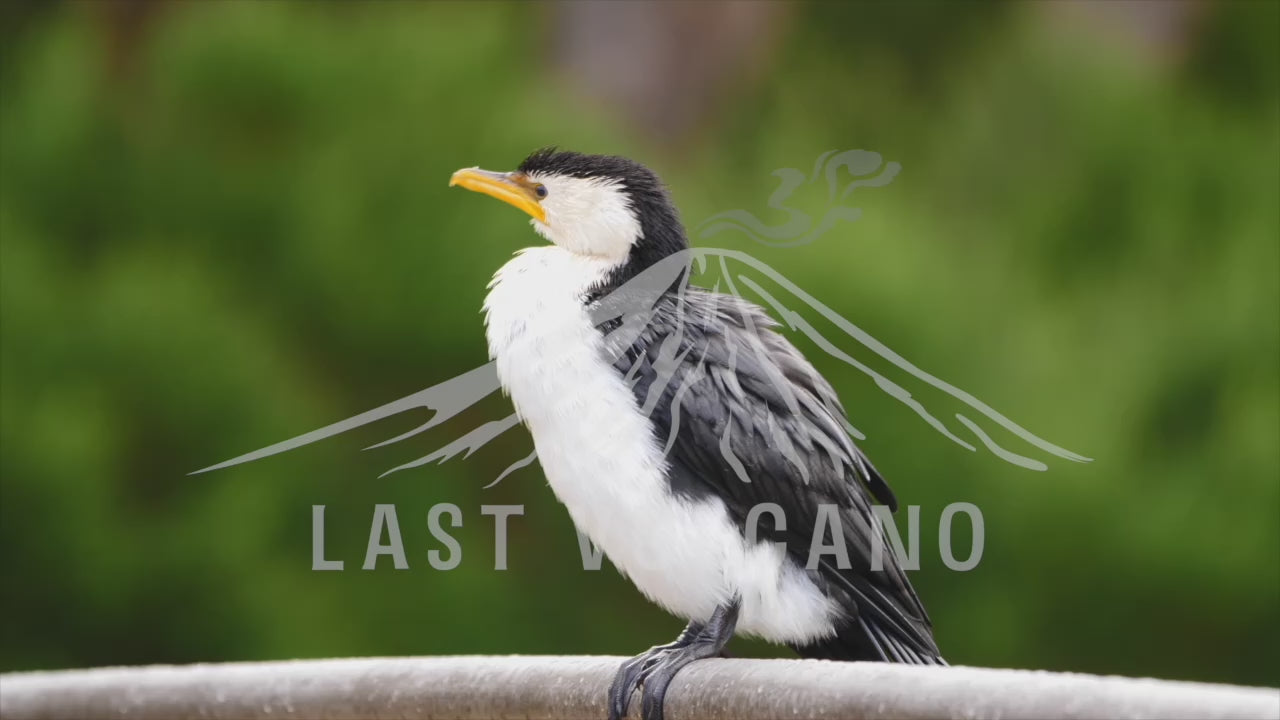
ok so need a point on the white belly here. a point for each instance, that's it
(599, 455)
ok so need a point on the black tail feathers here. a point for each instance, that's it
(860, 639)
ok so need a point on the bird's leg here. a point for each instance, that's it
(710, 641)
(632, 672)
(656, 668)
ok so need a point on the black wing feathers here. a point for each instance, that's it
(745, 417)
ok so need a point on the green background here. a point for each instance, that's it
(226, 224)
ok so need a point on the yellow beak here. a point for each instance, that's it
(511, 188)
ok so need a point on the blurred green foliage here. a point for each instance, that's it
(242, 232)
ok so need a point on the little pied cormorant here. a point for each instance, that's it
(663, 479)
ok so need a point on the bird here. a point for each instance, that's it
(688, 439)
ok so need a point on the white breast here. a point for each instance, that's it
(600, 457)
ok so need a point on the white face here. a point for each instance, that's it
(587, 216)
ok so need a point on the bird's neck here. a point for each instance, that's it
(661, 249)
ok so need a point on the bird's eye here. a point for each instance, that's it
(540, 190)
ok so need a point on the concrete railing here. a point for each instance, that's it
(569, 688)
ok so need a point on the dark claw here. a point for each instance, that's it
(633, 672)
(624, 682)
(659, 679)
(657, 667)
